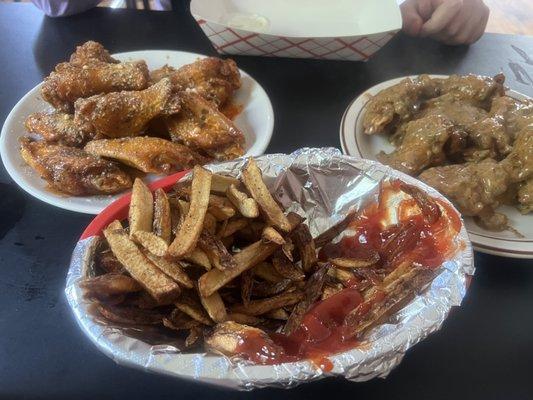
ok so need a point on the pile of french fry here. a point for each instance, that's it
(218, 256)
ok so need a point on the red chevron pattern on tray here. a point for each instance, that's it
(234, 41)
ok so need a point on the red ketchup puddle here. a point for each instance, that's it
(412, 239)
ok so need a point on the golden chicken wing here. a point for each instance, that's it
(72, 81)
(148, 154)
(58, 127)
(212, 78)
(202, 127)
(73, 171)
(91, 51)
(127, 113)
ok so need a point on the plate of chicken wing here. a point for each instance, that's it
(468, 136)
(80, 138)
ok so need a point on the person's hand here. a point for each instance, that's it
(449, 21)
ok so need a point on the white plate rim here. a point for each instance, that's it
(483, 243)
(74, 203)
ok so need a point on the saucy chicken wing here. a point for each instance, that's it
(519, 163)
(127, 113)
(73, 171)
(202, 127)
(91, 51)
(147, 154)
(422, 145)
(514, 114)
(525, 197)
(72, 81)
(58, 127)
(212, 78)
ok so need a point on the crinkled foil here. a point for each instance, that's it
(322, 184)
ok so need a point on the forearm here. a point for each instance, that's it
(61, 8)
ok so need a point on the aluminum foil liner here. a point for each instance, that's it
(323, 185)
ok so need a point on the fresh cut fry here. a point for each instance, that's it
(141, 208)
(215, 307)
(246, 205)
(151, 242)
(172, 269)
(192, 226)
(162, 225)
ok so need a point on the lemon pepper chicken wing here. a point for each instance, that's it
(127, 113)
(91, 51)
(148, 154)
(58, 127)
(202, 127)
(71, 81)
(73, 171)
(212, 78)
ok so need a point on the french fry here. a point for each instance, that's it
(332, 232)
(221, 213)
(151, 242)
(221, 183)
(110, 284)
(194, 335)
(178, 320)
(265, 289)
(259, 307)
(285, 267)
(109, 263)
(267, 272)
(244, 319)
(278, 313)
(306, 247)
(193, 309)
(214, 306)
(272, 235)
(344, 262)
(210, 223)
(247, 282)
(232, 225)
(141, 208)
(172, 269)
(192, 226)
(159, 285)
(252, 179)
(129, 315)
(340, 274)
(198, 257)
(246, 205)
(215, 250)
(162, 225)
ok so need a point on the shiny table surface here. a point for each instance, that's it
(485, 348)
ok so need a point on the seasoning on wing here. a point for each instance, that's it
(73, 171)
(525, 197)
(202, 127)
(147, 154)
(71, 81)
(127, 113)
(91, 51)
(212, 78)
(58, 127)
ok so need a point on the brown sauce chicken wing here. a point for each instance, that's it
(515, 114)
(212, 78)
(58, 127)
(73, 171)
(519, 163)
(525, 196)
(147, 154)
(72, 81)
(202, 127)
(421, 147)
(127, 113)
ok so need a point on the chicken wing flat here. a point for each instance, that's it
(422, 145)
(519, 163)
(525, 197)
(202, 127)
(60, 128)
(487, 138)
(127, 113)
(397, 103)
(212, 78)
(147, 154)
(73, 171)
(91, 51)
(472, 187)
(515, 114)
(72, 81)
(476, 90)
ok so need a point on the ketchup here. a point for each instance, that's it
(414, 239)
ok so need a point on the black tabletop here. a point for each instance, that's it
(483, 351)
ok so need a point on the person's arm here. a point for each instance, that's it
(62, 8)
(449, 21)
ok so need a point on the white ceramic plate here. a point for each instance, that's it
(256, 121)
(355, 143)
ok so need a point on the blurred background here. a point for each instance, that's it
(507, 16)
